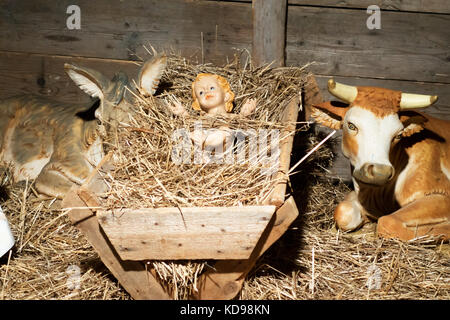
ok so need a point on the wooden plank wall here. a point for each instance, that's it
(411, 51)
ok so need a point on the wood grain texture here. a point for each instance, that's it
(225, 280)
(409, 46)
(290, 115)
(23, 73)
(185, 233)
(420, 6)
(269, 32)
(133, 276)
(116, 29)
(434, 6)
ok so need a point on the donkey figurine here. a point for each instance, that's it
(59, 144)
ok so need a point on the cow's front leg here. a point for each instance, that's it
(349, 214)
(55, 180)
(429, 215)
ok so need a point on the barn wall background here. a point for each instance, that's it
(411, 51)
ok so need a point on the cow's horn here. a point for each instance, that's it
(342, 91)
(412, 101)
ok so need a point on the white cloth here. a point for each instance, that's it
(6, 236)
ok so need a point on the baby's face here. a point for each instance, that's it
(209, 93)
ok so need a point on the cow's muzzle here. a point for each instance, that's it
(374, 173)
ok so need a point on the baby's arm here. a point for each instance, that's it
(248, 107)
(176, 107)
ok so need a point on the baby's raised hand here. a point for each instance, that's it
(176, 107)
(248, 107)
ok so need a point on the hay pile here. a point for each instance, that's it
(311, 261)
(49, 252)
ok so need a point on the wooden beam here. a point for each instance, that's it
(269, 32)
(289, 118)
(225, 280)
(185, 233)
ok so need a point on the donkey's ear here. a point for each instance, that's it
(90, 81)
(150, 74)
(330, 113)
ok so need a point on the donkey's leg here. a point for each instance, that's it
(56, 179)
(429, 215)
(53, 183)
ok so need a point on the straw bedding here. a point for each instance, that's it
(311, 261)
(146, 174)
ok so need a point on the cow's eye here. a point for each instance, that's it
(399, 135)
(201, 93)
(351, 127)
(212, 88)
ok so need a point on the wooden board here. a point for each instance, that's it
(435, 6)
(22, 73)
(225, 279)
(185, 233)
(281, 178)
(269, 32)
(132, 275)
(207, 30)
(409, 46)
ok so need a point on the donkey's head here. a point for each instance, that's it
(115, 102)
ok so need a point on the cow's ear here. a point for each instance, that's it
(413, 122)
(330, 113)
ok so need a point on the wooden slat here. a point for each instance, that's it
(420, 6)
(118, 29)
(269, 32)
(409, 46)
(44, 75)
(225, 280)
(185, 233)
(435, 6)
(290, 115)
(133, 276)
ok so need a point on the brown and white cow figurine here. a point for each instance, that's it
(400, 161)
(59, 144)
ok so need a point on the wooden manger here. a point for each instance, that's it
(234, 236)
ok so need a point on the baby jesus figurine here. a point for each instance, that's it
(212, 94)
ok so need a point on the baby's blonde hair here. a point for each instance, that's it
(222, 82)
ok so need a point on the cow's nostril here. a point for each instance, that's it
(370, 169)
(392, 173)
